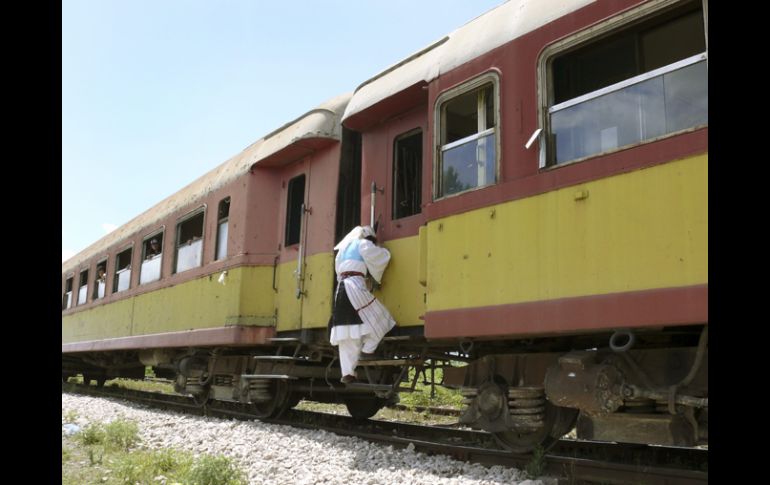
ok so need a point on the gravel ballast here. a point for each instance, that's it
(277, 455)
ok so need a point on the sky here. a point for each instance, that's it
(157, 93)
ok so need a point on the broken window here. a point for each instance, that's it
(294, 203)
(467, 145)
(152, 256)
(122, 279)
(66, 301)
(189, 242)
(223, 215)
(646, 81)
(407, 174)
(100, 279)
(83, 287)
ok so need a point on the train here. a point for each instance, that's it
(540, 178)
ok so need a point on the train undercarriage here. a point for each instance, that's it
(648, 388)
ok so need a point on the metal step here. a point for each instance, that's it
(397, 338)
(369, 387)
(396, 362)
(284, 340)
(279, 358)
(266, 376)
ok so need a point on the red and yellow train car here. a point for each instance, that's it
(545, 170)
(540, 178)
(225, 275)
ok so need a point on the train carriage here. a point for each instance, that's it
(540, 178)
(227, 273)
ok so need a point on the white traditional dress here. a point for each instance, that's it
(359, 320)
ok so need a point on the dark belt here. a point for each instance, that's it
(348, 274)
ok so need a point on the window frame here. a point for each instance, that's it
(394, 171)
(68, 277)
(95, 292)
(115, 277)
(181, 220)
(304, 177)
(584, 37)
(219, 222)
(87, 272)
(145, 239)
(492, 76)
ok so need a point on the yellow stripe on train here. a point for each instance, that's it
(640, 230)
(245, 298)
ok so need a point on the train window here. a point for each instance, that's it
(644, 82)
(100, 279)
(66, 301)
(407, 174)
(122, 279)
(223, 215)
(189, 242)
(152, 256)
(294, 203)
(83, 287)
(467, 118)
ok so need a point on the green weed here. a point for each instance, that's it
(536, 465)
(215, 470)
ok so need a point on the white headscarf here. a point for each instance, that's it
(358, 232)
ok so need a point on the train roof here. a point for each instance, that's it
(300, 137)
(482, 34)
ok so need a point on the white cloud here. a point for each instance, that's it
(66, 254)
(108, 228)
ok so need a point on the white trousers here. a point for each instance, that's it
(350, 351)
(376, 322)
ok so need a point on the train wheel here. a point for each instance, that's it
(557, 422)
(202, 398)
(293, 400)
(100, 380)
(363, 407)
(270, 398)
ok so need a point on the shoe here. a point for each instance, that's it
(368, 356)
(348, 379)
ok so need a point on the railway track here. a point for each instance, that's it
(571, 461)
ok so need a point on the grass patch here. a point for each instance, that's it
(148, 386)
(70, 416)
(120, 434)
(108, 454)
(93, 434)
(148, 466)
(444, 397)
(215, 470)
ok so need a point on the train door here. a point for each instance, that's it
(290, 282)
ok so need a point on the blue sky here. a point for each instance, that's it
(157, 93)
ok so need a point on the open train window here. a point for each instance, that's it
(83, 287)
(407, 174)
(122, 280)
(189, 241)
(152, 256)
(294, 202)
(620, 87)
(467, 136)
(100, 279)
(223, 215)
(66, 301)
